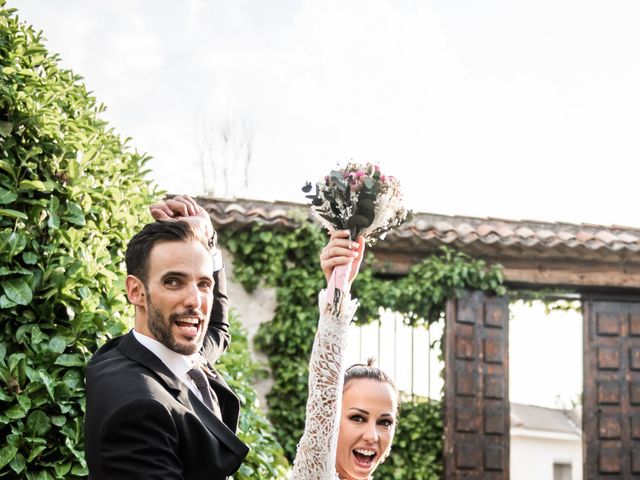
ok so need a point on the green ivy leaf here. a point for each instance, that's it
(17, 290)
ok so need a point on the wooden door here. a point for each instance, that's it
(477, 387)
(611, 410)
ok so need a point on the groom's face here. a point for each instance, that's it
(179, 294)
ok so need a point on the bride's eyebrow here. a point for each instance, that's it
(359, 410)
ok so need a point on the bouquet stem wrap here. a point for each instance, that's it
(338, 284)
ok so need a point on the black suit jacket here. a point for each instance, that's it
(144, 423)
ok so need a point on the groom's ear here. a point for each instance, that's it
(136, 291)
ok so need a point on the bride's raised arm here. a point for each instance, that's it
(316, 455)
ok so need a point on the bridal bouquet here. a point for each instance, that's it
(361, 199)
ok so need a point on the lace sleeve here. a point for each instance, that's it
(316, 455)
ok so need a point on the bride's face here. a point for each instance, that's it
(367, 426)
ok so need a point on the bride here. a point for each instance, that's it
(351, 414)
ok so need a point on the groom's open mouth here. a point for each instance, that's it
(189, 325)
(363, 457)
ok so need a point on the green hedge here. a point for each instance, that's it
(71, 196)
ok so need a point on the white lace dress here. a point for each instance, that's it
(316, 455)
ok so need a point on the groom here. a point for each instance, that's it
(156, 407)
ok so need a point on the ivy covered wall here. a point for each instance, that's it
(287, 259)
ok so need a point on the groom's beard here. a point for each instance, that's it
(161, 328)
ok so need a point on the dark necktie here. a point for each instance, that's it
(209, 397)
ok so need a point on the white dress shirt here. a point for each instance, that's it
(177, 363)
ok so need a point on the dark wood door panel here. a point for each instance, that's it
(611, 410)
(476, 388)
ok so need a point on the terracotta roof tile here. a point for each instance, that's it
(481, 235)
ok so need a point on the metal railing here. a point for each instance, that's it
(412, 356)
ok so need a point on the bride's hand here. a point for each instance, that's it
(340, 251)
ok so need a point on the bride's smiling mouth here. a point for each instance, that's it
(364, 457)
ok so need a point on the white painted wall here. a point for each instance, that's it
(533, 454)
(252, 309)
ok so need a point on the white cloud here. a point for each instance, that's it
(491, 109)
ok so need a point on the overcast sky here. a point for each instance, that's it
(524, 110)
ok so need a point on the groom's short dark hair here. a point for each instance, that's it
(141, 244)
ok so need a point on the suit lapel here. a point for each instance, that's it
(142, 355)
(217, 427)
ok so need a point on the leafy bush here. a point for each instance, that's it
(71, 196)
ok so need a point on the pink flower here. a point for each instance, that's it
(360, 174)
(383, 178)
(376, 168)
